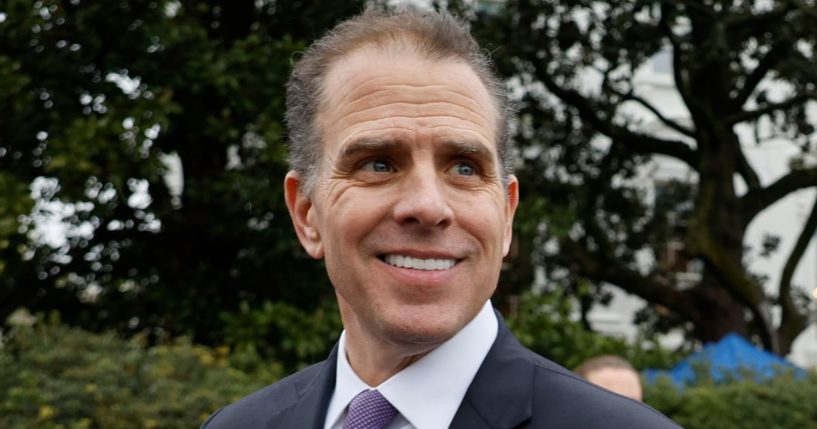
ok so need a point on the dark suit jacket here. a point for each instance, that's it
(514, 388)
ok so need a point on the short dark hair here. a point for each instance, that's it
(436, 35)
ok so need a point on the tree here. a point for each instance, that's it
(736, 65)
(97, 99)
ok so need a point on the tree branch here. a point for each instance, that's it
(733, 276)
(650, 289)
(677, 71)
(730, 272)
(755, 201)
(792, 321)
(777, 52)
(598, 265)
(770, 108)
(639, 143)
(726, 268)
(757, 23)
(647, 105)
(747, 172)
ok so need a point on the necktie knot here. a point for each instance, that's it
(369, 410)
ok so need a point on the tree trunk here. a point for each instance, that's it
(716, 312)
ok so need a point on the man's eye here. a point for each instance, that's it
(464, 169)
(378, 166)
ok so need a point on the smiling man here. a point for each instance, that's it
(400, 181)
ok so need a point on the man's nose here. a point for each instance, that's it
(423, 201)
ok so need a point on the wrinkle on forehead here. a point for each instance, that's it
(408, 83)
(440, 116)
(381, 95)
(376, 89)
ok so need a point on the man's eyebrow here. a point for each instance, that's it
(469, 147)
(456, 147)
(367, 145)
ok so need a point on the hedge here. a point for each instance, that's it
(52, 376)
(780, 403)
(544, 323)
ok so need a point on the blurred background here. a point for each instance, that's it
(148, 269)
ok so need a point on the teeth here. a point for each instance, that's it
(419, 264)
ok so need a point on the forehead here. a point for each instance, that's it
(400, 61)
(385, 75)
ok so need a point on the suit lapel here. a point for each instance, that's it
(309, 411)
(500, 397)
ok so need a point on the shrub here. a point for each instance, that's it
(780, 403)
(542, 323)
(52, 376)
(283, 332)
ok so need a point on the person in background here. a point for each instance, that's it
(401, 182)
(612, 373)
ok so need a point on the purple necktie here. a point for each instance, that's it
(369, 410)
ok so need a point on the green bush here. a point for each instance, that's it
(542, 323)
(52, 376)
(780, 403)
(284, 333)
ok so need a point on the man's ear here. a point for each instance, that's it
(302, 213)
(511, 202)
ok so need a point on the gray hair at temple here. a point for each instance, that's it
(434, 35)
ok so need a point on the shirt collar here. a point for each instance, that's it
(428, 392)
(347, 385)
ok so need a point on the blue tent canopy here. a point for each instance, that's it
(731, 358)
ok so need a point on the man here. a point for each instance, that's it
(400, 181)
(612, 373)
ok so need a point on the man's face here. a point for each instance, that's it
(408, 208)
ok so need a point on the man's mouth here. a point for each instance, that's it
(402, 261)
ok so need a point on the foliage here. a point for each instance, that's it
(542, 322)
(53, 376)
(99, 101)
(284, 333)
(782, 402)
(153, 129)
(745, 75)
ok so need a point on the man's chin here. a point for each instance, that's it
(421, 338)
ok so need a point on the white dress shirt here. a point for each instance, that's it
(428, 392)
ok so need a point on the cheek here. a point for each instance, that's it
(347, 222)
(485, 219)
